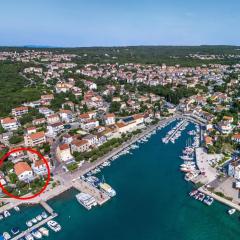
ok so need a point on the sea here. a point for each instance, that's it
(152, 202)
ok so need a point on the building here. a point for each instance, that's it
(54, 118)
(236, 138)
(9, 124)
(55, 128)
(109, 119)
(91, 139)
(40, 168)
(19, 111)
(79, 145)
(90, 124)
(35, 139)
(64, 154)
(23, 171)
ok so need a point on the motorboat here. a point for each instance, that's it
(6, 235)
(36, 234)
(231, 211)
(29, 236)
(44, 231)
(54, 226)
(29, 223)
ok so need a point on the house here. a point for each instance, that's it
(90, 124)
(64, 154)
(236, 137)
(54, 118)
(23, 172)
(79, 145)
(31, 130)
(66, 138)
(38, 121)
(91, 139)
(225, 127)
(17, 156)
(19, 111)
(39, 167)
(208, 140)
(66, 115)
(9, 124)
(109, 119)
(35, 139)
(55, 128)
(45, 111)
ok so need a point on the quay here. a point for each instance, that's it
(47, 207)
(85, 187)
(38, 225)
(219, 199)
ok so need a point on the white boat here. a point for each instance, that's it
(29, 223)
(16, 208)
(44, 215)
(231, 211)
(29, 236)
(54, 226)
(6, 235)
(44, 231)
(1, 217)
(86, 200)
(107, 189)
(6, 214)
(39, 217)
(36, 234)
(34, 220)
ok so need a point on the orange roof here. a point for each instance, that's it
(21, 167)
(8, 120)
(37, 135)
(63, 146)
(39, 163)
(208, 140)
(20, 108)
(236, 136)
(79, 143)
(120, 124)
(84, 115)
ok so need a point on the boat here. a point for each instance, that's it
(34, 220)
(44, 231)
(44, 215)
(36, 234)
(29, 236)
(192, 193)
(107, 189)
(6, 214)
(231, 211)
(208, 200)
(6, 235)
(16, 208)
(15, 230)
(86, 200)
(54, 226)
(39, 217)
(1, 217)
(29, 223)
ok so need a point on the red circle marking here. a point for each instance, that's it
(41, 157)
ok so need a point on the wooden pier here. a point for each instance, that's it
(38, 225)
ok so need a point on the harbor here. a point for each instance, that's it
(153, 166)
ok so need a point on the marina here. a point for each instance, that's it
(162, 161)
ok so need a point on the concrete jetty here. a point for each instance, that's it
(38, 225)
(47, 207)
(85, 187)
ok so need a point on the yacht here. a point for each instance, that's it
(39, 217)
(15, 230)
(6, 214)
(6, 235)
(86, 200)
(44, 231)
(107, 189)
(44, 215)
(231, 211)
(54, 226)
(29, 223)
(36, 234)
(29, 236)
(16, 208)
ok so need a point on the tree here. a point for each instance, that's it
(115, 107)
(15, 139)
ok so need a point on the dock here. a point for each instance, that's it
(85, 187)
(38, 225)
(47, 207)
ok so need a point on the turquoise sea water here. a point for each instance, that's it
(152, 203)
